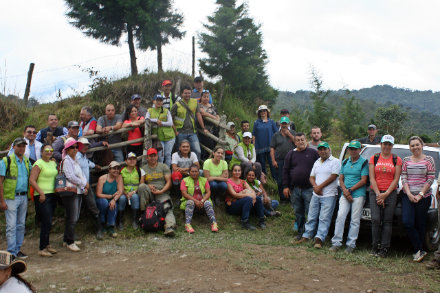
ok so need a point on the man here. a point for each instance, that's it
(52, 127)
(352, 180)
(371, 138)
(323, 179)
(198, 89)
(33, 146)
(89, 198)
(232, 140)
(282, 142)
(245, 126)
(184, 114)
(285, 113)
(168, 99)
(136, 101)
(88, 122)
(157, 187)
(14, 188)
(316, 135)
(296, 173)
(111, 122)
(58, 145)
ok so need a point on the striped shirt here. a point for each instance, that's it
(417, 174)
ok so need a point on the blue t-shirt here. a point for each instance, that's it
(353, 173)
(263, 132)
(23, 176)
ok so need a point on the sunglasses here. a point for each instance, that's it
(31, 132)
(73, 147)
(48, 150)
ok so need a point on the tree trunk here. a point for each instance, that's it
(28, 83)
(134, 70)
(159, 58)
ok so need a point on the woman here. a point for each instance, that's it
(216, 171)
(384, 170)
(109, 189)
(244, 155)
(241, 199)
(132, 176)
(131, 119)
(208, 110)
(196, 194)
(418, 173)
(264, 129)
(75, 177)
(269, 205)
(163, 128)
(10, 279)
(42, 179)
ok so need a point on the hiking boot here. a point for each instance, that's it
(45, 253)
(334, 248)
(135, 223)
(120, 220)
(433, 265)
(100, 232)
(21, 255)
(318, 243)
(383, 252)
(169, 232)
(51, 250)
(349, 249)
(246, 225)
(73, 247)
(189, 228)
(214, 227)
(419, 256)
(111, 232)
(261, 224)
(301, 240)
(374, 251)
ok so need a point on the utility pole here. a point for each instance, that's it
(193, 57)
(28, 83)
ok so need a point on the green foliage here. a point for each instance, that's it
(390, 120)
(233, 43)
(351, 118)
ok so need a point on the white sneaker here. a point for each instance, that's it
(419, 256)
(76, 242)
(73, 247)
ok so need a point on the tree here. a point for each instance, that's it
(322, 112)
(390, 120)
(351, 117)
(233, 43)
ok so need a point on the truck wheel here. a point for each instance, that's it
(432, 236)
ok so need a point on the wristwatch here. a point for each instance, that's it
(349, 190)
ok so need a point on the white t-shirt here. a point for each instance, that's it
(13, 285)
(322, 171)
(183, 162)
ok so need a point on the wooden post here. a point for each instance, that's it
(147, 141)
(193, 56)
(222, 131)
(28, 83)
(177, 88)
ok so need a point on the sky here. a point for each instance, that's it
(351, 44)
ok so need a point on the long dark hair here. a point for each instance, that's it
(128, 111)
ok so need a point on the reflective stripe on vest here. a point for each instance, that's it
(181, 113)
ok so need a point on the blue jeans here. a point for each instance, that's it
(46, 209)
(355, 222)
(165, 153)
(320, 214)
(105, 213)
(122, 202)
(414, 220)
(15, 222)
(261, 158)
(193, 141)
(218, 187)
(118, 156)
(273, 206)
(243, 207)
(300, 200)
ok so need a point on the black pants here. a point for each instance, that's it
(45, 210)
(382, 219)
(71, 216)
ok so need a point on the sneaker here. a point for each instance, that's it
(261, 224)
(419, 256)
(349, 249)
(76, 242)
(318, 243)
(51, 250)
(300, 241)
(246, 225)
(73, 247)
(45, 253)
(21, 255)
(135, 225)
(214, 227)
(334, 248)
(374, 251)
(189, 228)
(169, 232)
(111, 232)
(383, 253)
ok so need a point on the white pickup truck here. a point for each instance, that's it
(432, 236)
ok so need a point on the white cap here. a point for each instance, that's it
(83, 140)
(387, 138)
(229, 124)
(247, 134)
(263, 107)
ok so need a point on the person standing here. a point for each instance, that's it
(136, 101)
(285, 113)
(88, 122)
(245, 127)
(132, 119)
(323, 177)
(33, 146)
(372, 138)
(14, 193)
(168, 98)
(52, 126)
(316, 135)
(352, 180)
(58, 145)
(198, 89)
(282, 142)
(296, 179)
(111, 122)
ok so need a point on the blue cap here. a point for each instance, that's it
(135, 96)
(158, 96)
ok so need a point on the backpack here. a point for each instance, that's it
(376, 158)
(153, 219)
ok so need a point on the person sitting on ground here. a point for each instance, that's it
(245, 127)
(132, 176)
(208, 110)
(269, 204)
(58, 145)
(216, 171)
(157, 187)
(132, 119)
(181, 161)
(196, 195)
(33, 146)
(323, 177)
(162, 126)
(245, 155)
(241, 199)
(111, 122)
(109, 189)
(10, 279)
(52, 127)
(136, 101)
(231, 139)
(42, 179)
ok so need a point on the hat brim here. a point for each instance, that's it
(18, 266)
(80, 145)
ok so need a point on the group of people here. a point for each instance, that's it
(305, 171)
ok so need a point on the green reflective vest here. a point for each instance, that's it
(190, 185)
(246, 149)
(181, 113)
(131, 179)
(10, 182)
(164, 133)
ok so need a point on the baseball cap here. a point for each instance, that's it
(198, 79)
(355, 144)
(72, 124)
(166, 82)
(135, 96)
(157, 97)
(284, 120)
(83, 140)
(284, 111)
(19, 140)
(114, 164)
(247, 134)
(323, 145)
(151, 151)
(372, 126)
(229, 124)
(131, 155)
(387, 138)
